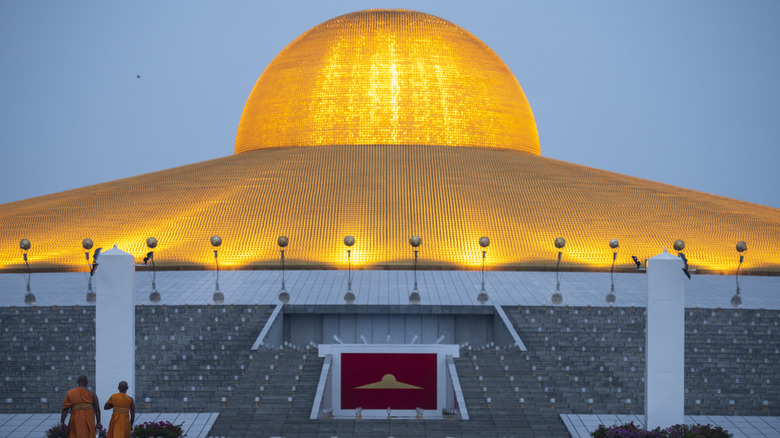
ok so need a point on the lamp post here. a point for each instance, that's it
(151, 243)
(29, 297)
(218, 297)
(484, 242)
(283, 241)
(736, 300)
(557, 298)
(87, 244)
(349, 297)
(415, 241)
(614, 244)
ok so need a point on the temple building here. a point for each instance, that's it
(366, 130)
(383, 125)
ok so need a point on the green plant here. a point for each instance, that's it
(163, 429)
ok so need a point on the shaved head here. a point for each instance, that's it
(82, 380)
(123, 386)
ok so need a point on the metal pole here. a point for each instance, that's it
(282, 269)
(216, 261)
(612, 271)
(741, 259)
(349, 270)
(415, 270)
(154, 274)
(29, 272)
(483, 270)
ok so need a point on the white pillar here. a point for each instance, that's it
(114, 324)
(665, 342)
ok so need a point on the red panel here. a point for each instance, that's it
(361, 369)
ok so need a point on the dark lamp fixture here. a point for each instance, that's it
(218, 297)
(283, 241)
(415, 242)
(95, 256)
(29, 297)
(614, 244)
(349, 297)
(557, 297)
(87, 244)
(736, 300)
(151, 243)
(484, 242)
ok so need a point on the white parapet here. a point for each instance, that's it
(665, 342)
(114, 324)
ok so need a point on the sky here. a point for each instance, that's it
(683, 93)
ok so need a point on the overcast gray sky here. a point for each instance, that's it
(686, 93)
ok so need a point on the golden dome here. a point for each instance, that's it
(383, 195)
(387, 77)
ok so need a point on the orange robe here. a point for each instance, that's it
(120, 419)
(82, 413)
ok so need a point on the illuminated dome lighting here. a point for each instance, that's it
(387, 77)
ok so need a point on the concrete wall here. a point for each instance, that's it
(301, 328)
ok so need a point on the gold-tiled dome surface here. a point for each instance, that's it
(382, 195)
(387, 77)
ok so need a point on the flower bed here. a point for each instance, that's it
(631, 430)
(163, 429)
(61, 431)
(57, 431)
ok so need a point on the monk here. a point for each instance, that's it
(84, 410)
(121, 423)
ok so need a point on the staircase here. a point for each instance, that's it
(275, 409)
